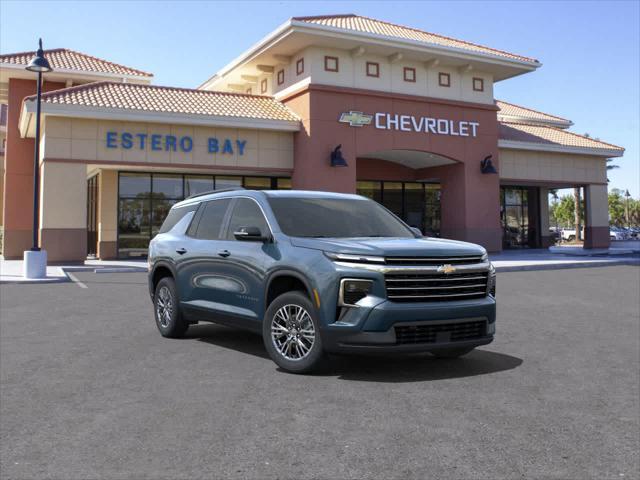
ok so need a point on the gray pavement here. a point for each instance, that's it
(89, 389)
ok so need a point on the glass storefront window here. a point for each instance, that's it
(228, 182)
(257, 183)
(145, 200)
(134, 184)
(392, 197)
(284, 183)
(414, 204)
(167, 186)
(194, 184)
(519, 219)
(372, 190)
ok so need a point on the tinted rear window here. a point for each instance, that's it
(175, 215)
(336, 217)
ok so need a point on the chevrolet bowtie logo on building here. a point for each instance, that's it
(356, 119)
(446, 269)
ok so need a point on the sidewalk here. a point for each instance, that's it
(506, 261)
(11, 270)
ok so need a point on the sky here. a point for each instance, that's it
(590, 51)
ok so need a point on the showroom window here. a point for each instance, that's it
(144, 200)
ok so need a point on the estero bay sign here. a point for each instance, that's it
(411, 123)
(171, 143)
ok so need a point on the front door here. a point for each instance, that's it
(92, 216)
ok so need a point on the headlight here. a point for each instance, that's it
(485, 257)
(348, 257)
(352, 290)
(491, 282)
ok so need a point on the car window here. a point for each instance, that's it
(175, 215)
(247, 213)
(211, 219)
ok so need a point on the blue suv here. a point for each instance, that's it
(317, 273)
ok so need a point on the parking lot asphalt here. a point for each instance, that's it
(89, 389)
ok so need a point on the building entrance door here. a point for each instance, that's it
(92, 216)
(519, 215)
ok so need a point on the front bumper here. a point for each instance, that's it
(372, 328)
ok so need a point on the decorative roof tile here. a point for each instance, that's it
(544, 135)
(65, 59)
(513, 110)
(152, 98)
(378, 27)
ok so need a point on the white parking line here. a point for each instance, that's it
(75, 280)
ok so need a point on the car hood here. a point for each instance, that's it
(391, 246)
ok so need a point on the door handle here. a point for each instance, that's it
(181, 251)
(224, 253)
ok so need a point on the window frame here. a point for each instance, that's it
(200, 213)
(229, 214)
(264, 85)
(444, 75)
(480, 82)
(280, 76)
(377, 67)
(407, 70)
(300, 66)
(327, 59)
(248, 91)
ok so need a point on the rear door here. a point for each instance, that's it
(200, 284)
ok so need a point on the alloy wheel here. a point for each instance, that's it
(164, 306)
(292, 332)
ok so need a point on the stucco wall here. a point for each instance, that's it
(551, 167)
(85, 140)
(352, 73)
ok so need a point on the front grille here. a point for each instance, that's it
(436, 287)
(429, 261)
(442, 333)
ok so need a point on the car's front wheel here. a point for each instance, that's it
(291, 335)
(169, 319)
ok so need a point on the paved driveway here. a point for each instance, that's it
(91, 390)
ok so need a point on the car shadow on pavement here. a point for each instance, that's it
(369, 368)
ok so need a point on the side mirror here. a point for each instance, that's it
(417, 232)
(250, 234)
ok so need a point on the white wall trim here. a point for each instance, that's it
(541, 147)
(127, 115)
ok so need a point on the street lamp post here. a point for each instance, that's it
(626, 208)
(35, 260)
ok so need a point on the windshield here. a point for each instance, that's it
(336, 218)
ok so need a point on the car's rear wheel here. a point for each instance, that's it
(452, 352)
(169, 319)
(291, 334)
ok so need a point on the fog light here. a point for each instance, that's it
(353, 290)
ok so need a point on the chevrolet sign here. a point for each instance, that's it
(355, 119)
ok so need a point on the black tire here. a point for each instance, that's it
(452, 352)
(571, 238)
(297, 336)
(166, 309)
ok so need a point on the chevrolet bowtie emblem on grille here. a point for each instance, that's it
(356, 119)
(446, 269)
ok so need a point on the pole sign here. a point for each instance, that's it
(171, 143)
(411, 123)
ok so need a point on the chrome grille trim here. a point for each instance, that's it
(426, 269)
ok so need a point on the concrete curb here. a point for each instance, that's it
(566, 266)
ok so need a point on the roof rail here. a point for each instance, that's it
(209, 192)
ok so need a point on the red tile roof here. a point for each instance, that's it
(152, 98)
(65, 59)
(370, 25)
(513, 110)
(544, 135)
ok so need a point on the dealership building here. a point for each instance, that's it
(340, 103)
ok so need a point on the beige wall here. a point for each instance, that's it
(108, 206)
(80, 139)
(352, 73)
(597, 206)
(63, 195)
(552, 167)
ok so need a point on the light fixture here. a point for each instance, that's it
(39, 62)
(337, 160)
(486, 166)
